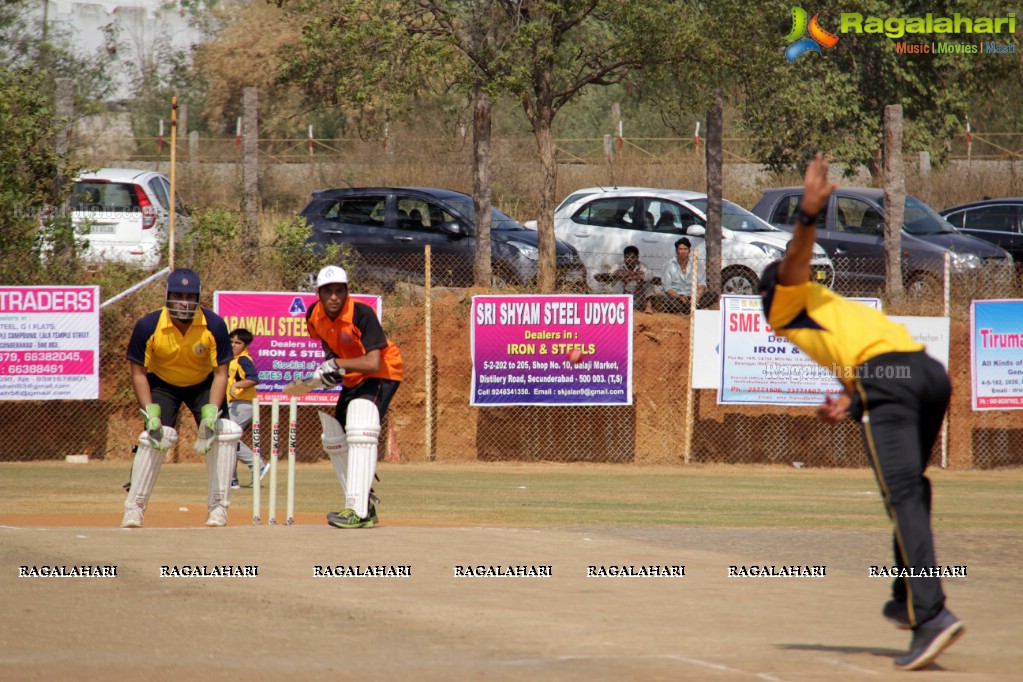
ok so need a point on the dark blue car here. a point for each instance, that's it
(851, 231)
(999, 221)
(389, 228)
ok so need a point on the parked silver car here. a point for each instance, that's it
(600, 223)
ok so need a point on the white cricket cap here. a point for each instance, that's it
(331, 274)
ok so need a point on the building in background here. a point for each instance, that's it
(145, 30)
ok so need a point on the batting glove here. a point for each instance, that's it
(329, 374)
(207, 428)
(154, 426)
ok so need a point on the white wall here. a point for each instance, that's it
(140, 24)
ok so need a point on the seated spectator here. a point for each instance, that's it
(677, 281)
(632, 277)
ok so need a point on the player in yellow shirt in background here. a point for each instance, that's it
(242, 379)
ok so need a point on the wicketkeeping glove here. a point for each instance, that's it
(329, 374)
(207, 428)
(154, 426)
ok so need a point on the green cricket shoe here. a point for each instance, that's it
(347, 518)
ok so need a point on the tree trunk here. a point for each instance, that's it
(894, 201)
(543, 118)
(715, 123)
(481, 120)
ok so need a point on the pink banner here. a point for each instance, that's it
(281, 348)
(50, 362)
(49, 343)
(48, 300)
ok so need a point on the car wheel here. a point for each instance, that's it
(739, 281)
(922, 286)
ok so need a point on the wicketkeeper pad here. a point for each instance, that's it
(336, 446)
(363, 433)
(220, 464)
(146, 466)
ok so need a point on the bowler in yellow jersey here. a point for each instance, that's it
(897, 392)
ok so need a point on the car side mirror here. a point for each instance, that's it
(453, 227)
(696, 230)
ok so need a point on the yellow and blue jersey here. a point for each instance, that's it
(180, 359)
(241, 367)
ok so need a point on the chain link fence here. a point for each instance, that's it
(667, 423)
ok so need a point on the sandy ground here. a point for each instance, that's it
(286, 624)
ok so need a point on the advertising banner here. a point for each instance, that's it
(758, 367)
(281, 348)
(996, 354)
(49, 343)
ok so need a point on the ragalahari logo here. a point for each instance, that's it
(818, 36)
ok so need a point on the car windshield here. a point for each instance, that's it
(100, 195)
(498, 220)
(919, 218)
(572, 198)
(735, 217)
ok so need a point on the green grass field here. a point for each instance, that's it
(547, 495)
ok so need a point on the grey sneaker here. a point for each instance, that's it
(897, 613)
(930, 638)
(347, 518)
(132, 517)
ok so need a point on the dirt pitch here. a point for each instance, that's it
(286, 624)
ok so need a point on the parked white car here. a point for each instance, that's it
(123, 214)
(600, 223)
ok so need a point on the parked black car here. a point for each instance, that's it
(999, 221)
(852, 233)
(390, 226)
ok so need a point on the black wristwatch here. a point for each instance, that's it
(804, 218)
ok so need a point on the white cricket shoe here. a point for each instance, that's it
(217, 517)
(132, 517)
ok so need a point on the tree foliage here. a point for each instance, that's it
(835, 101)
(248, 48)
(369, 58)
(832, 101)
(555, 49)
(30, 180)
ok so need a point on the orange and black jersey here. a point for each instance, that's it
(180, 359)
(354, 333)
(837, 333)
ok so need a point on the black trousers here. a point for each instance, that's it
(901, 401)
(378, 391)
(169, 397)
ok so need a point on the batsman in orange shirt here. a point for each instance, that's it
(369, 369)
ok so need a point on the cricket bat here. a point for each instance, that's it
(299, 387)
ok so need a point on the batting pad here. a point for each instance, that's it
(336, 446)
(145, 467)
(363, 434)
(220, 464)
